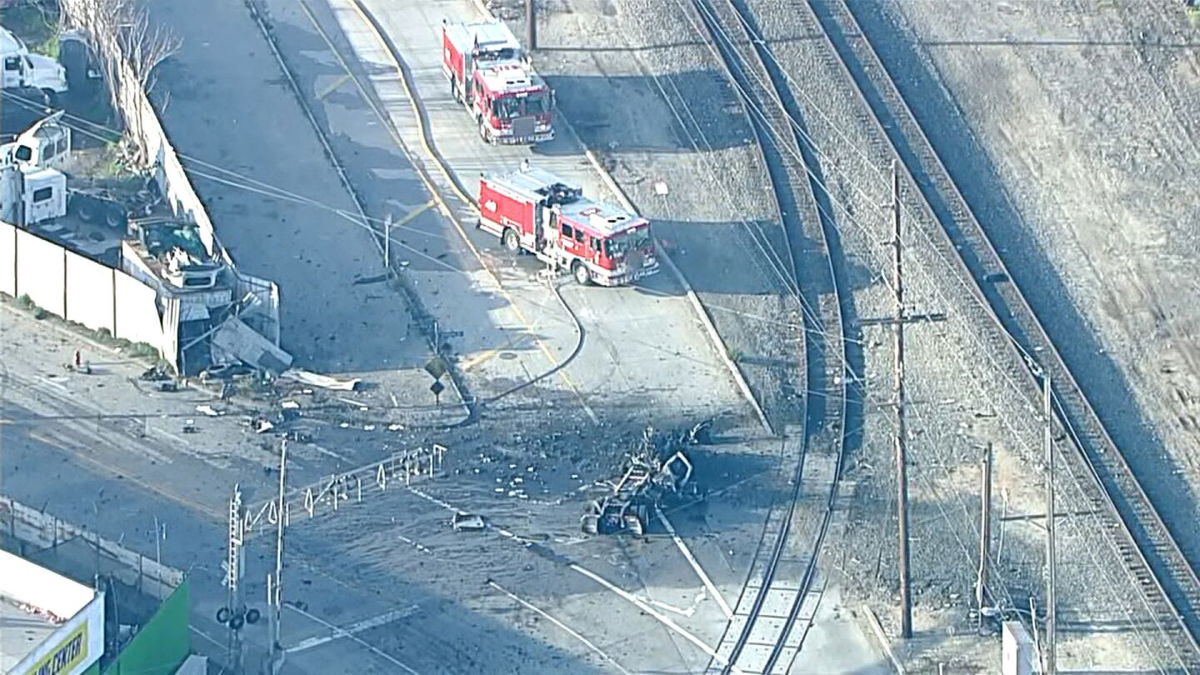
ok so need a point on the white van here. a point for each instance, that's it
(22, 69)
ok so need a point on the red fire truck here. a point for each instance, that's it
(534, 210)
(491, 75)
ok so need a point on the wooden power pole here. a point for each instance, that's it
(901, 432)
(1048, 442)
(531, 24)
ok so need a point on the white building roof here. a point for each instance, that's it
(34, 602)
(21, 631)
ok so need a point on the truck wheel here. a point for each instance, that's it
(583, 276)
(454, 91)
(510, 240)
(115, 217)
(633, 525)
(590, 524)
(86, 209)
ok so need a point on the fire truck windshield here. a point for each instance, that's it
(620, 244)
(508, 107)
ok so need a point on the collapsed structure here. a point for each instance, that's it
(204, 311)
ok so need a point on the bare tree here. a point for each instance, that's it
(146, 45)
(129, 47)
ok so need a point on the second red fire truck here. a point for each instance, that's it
(491, 75)
(534, 210)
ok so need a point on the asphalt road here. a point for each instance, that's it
(644, 358)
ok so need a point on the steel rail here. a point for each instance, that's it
(1168, 581)
(819, 280)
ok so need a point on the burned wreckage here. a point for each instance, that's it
(656, 471)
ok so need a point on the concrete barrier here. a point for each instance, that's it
(78, 289)
(36, 528)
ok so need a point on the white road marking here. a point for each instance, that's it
(561, 625)
(712, 589)
(329, 453)
(664, 620)
(375, 650)
(353, 629)
(208, 637)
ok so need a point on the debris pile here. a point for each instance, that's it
(657, 470)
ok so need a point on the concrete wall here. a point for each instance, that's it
(8, 261)
(87, 301)
(76, 288)
(41, 272)
(42, 530)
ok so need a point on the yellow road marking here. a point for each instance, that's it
(334, 86)
(107, 470)
(488, 354)
(434, 191)
(408, 218)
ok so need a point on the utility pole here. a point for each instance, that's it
(531, 24)
(275, 581)
(985, 530)
(1048, 442)
(387, 242)
(901, 432)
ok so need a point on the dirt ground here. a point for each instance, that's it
(1087, 129)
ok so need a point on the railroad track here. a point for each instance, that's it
(777, 605)
(1146, 547)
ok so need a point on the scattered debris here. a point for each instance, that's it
(224, 371)
(289, 405)
(242, 342)
(322, 381)
(208, 410)
(352, 402)
(467, 522)
(158, 373)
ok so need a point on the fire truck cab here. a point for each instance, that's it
(491, 75)
(534, 210)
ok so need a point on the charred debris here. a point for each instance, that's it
(656, 472)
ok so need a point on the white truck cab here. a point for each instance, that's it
(31, 189)
(20, 68)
